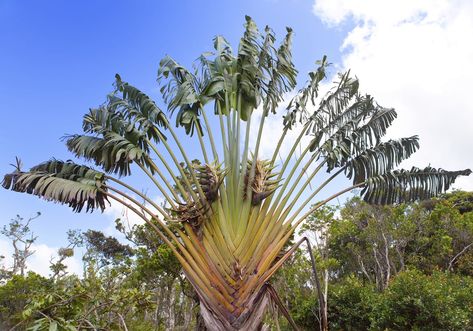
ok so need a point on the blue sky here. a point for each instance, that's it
(58, 58)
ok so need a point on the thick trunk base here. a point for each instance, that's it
(251, 320)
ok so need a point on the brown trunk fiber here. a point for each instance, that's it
(251, 320)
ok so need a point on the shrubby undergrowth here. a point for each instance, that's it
(407, 267)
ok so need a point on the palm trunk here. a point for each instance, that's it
(249, 320)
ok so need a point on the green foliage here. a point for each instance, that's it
(433, 291)
(427, 288)
(95, 300)
(415, 301)
(412, 301)
(64, 182)
(294, 286)
(351, 304)
(461, 200)
(106, 249)
(16, 294)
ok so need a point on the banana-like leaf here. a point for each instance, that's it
(352, 138)
(297, 108)
(285, 65)
(267, 65)
(267, 51)
(116, 144)
(113, 152)
(380, 159)
(250, 72)
(182, 91)
(102, 120)
(222, 46)
(138, 108)
(409, 185)
(282, 75)
(357, 112)
(219, 80)
(63, 182)
(335, 102)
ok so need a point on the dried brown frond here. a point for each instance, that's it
(191, 213)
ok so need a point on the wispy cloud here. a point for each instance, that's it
(39, 262)
(414, 55)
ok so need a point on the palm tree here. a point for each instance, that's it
(229, 219)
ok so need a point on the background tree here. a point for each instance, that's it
(19, 233)
(316, 228)
(235, 213)
(423, 291)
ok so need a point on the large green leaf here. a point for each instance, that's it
(116, 142)
(409, 185)
(297, 110)
(282, 75)
(250, 70)
(113, 152)
(353, 138)
(138, 108)
(335, 102)
(181, 91)
(63, 182)
(380, 159)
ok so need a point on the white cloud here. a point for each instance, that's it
(39, 262)
(415, 56)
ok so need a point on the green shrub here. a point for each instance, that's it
(415, 301)
(350, 304)
(16, 293)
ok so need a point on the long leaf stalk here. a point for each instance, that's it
(264, 225)
(143, 196)
(302, 190)
(269, 226)
(279, 144)
(247, 203)
(182, 191)
(210, 134)
(191, 269)
(311, 196)
(231, 157)
(158, 185)
(293, 171)
(292, 226)
(200, 135)
(190, 251)
(164, 179)
(181, 169)
(189, 244)
(189, 164)
(142, 206)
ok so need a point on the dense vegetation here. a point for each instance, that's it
(405, 267)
